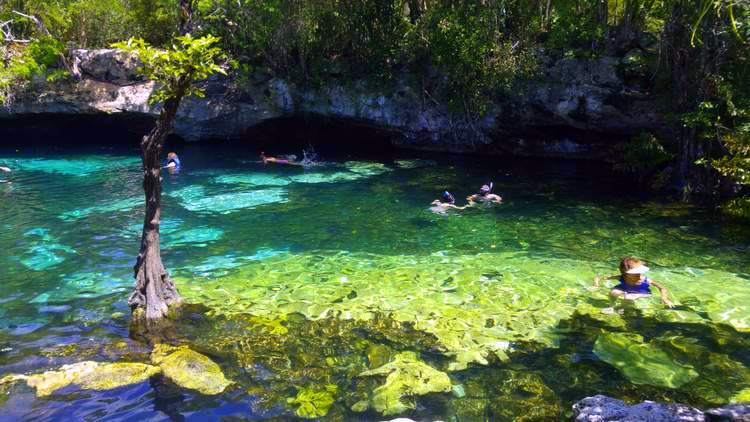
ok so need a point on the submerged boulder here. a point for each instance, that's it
(407, 376)
(640, 362)
(190, 369)
(88, 375)
(602, 408)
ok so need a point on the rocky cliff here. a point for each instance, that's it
(575, 108)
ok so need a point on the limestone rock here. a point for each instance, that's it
(578, 94)
(407, 376)
(602, 408)
(190, 369)
(732, 412)
(88, 375)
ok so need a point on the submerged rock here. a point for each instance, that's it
(314, 403)
(407, 376)
(88, 375)
(602, 408)
(641, 363)
(190, 369)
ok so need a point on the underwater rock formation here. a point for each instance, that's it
(190, 369)
(88, 375)
(601, 408)
(407, 376)
(640, 362)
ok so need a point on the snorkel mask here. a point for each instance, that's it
(448, 197)
(485, 189)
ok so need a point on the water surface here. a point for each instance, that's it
(302, 279)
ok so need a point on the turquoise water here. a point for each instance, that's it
(301, 280)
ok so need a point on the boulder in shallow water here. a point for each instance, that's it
(190, 369)
(88, 375)
(640, 362)
(601, 408)
(407, 376)
(732, 412)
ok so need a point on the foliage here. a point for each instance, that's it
(643, 153)
(174, 69)
(467, 42)
(38, 58)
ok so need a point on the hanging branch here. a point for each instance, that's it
(43, 29)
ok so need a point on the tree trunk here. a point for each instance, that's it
(154, 290)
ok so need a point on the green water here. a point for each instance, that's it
(304, 283)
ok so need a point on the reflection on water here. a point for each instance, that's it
(329, 290)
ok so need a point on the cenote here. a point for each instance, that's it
(334, 292)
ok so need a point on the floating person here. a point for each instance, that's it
(273, 160)
(448, 202)
(485, 195)
(4, 170)
(633, 282)
(173, 161)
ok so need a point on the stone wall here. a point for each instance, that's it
(575, 108)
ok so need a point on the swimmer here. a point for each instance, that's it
(633, 282)
(173, 161)
(273, 160)
(4, 170)
(449, 202)
(485, 196)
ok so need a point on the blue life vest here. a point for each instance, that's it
(176, 162)
(641, 288)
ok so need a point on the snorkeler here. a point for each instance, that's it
(633, 283)
(448, 202)
(484, 195)
(273, 160)
(173, 161)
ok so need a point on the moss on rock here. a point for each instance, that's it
(407, 376)
(190, 369)
(88, 375)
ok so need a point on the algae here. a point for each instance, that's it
(79, 167)
(88, 375)
(326, 177)
(44, 250)
(366, 168)
(107, 207)
(253, 179)
(312, 402)
(406, 377)
(197, 236)
(190, 369)
(640, 362)
(230, 202)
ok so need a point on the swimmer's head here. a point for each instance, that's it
(447, 197)
(632, 268)
(171, 155)
(485, 189)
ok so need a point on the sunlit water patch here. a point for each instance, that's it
(335, 293)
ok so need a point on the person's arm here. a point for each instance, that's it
(597, 279)
(663, 293)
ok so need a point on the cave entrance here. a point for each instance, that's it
(328, 137)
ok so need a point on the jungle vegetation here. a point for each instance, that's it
(693, 53)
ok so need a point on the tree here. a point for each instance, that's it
(175, 71)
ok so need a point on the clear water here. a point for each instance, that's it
(302, 278)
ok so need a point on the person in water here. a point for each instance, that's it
(4, 170)
(173, 161)
(273, 160)
(448, 202)
(633, 282)
(485, 195)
